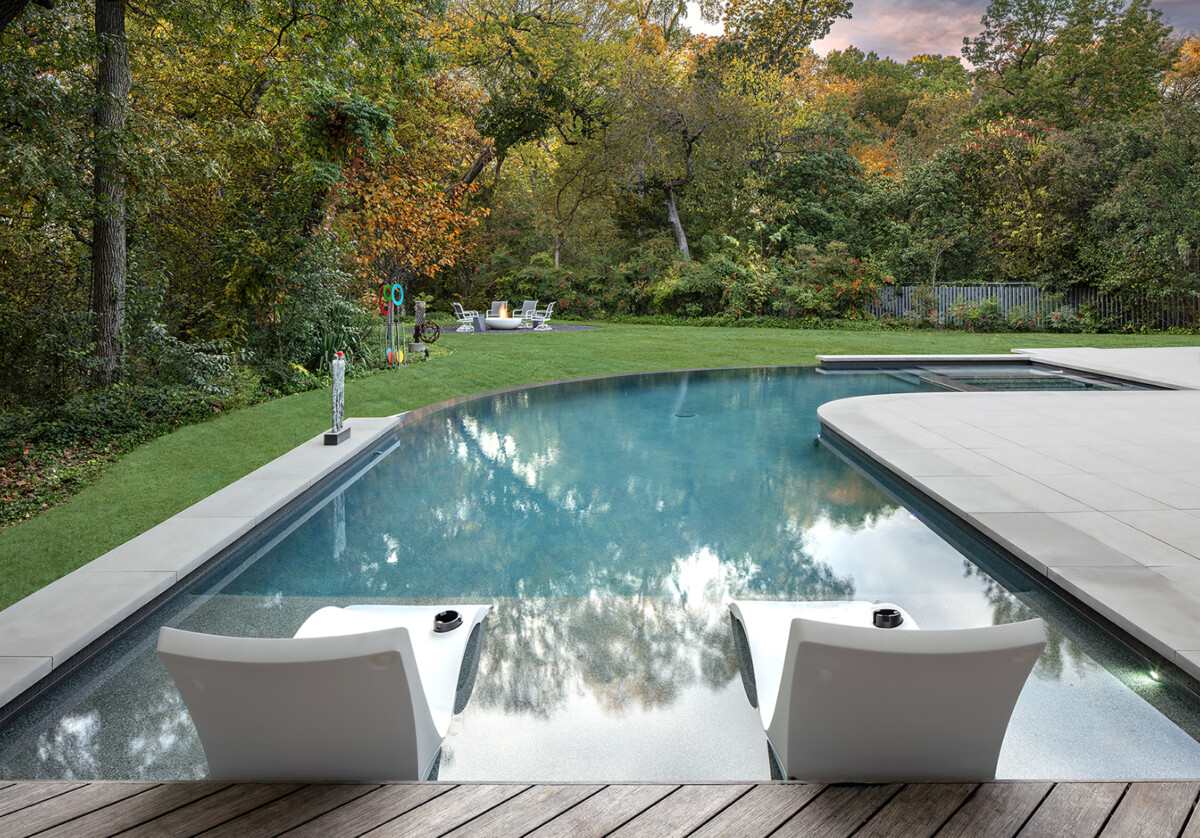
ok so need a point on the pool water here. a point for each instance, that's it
(609, 522)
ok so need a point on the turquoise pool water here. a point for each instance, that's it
(608, 522)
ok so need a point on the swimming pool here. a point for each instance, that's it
(608, 521)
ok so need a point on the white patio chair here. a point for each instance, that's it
(494, 311)
(854, 703)
(542, 317)
(526, 313)
(465, 318)
(360, 693)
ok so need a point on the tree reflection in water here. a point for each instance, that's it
(531, 495)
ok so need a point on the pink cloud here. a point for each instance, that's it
(904, 29)
(901, 29)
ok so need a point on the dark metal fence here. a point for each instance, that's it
(1178, 311)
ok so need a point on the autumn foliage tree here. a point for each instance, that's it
(778, 32)
(406, 225)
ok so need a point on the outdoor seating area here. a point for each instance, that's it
(500, 318)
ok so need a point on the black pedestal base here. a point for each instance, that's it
(333, 438)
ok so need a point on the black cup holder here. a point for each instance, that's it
(887, 618)
(447, 621)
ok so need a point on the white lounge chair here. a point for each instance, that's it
(360, 693)
(862, 704)
(542, 317)
(465, 318)
(526, 313)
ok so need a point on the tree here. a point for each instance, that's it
(932, 122)
(776, 33)
(539, 65)
(407, 225)
(1066, 62)
(1144, 240)
(119, 167)
(108, 228)
(886, 94)
(1181, 86)
(670, 115)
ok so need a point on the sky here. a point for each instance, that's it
(901, 29)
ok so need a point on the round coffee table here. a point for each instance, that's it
(504, 323)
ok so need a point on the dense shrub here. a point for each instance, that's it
(832, 284)
(692, 289)
(978, 315)
(121, 410)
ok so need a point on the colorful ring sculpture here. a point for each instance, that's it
(383, 304)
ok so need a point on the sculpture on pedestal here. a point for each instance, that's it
(339, 432)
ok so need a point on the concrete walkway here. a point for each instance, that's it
(1099, 491)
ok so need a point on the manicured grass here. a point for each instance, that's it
(167, 475)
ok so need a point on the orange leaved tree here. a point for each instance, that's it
(406, 225)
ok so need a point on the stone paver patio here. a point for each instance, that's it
(1099, 491)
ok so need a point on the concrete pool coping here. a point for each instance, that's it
(1147, 580)
(1097, 491)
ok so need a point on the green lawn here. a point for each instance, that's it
(167, 475)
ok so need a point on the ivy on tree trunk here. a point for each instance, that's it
(108, 232)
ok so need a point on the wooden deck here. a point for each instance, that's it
(995, 810)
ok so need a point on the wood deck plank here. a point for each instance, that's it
(839, 811)
(1074, 809)
(682, 811)
(370, 810)
(525, 813)
(19, 795)
(603, 812)
(918, 811)
(134, 811)
(760, 811)
(213, 810)
(67, 807)
(295, 809)
(447, 811)
(997, 810)
(1192, 830)
(1152, 809)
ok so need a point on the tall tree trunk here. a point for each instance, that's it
(557, 249)
(673, 216)
(108, 231)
